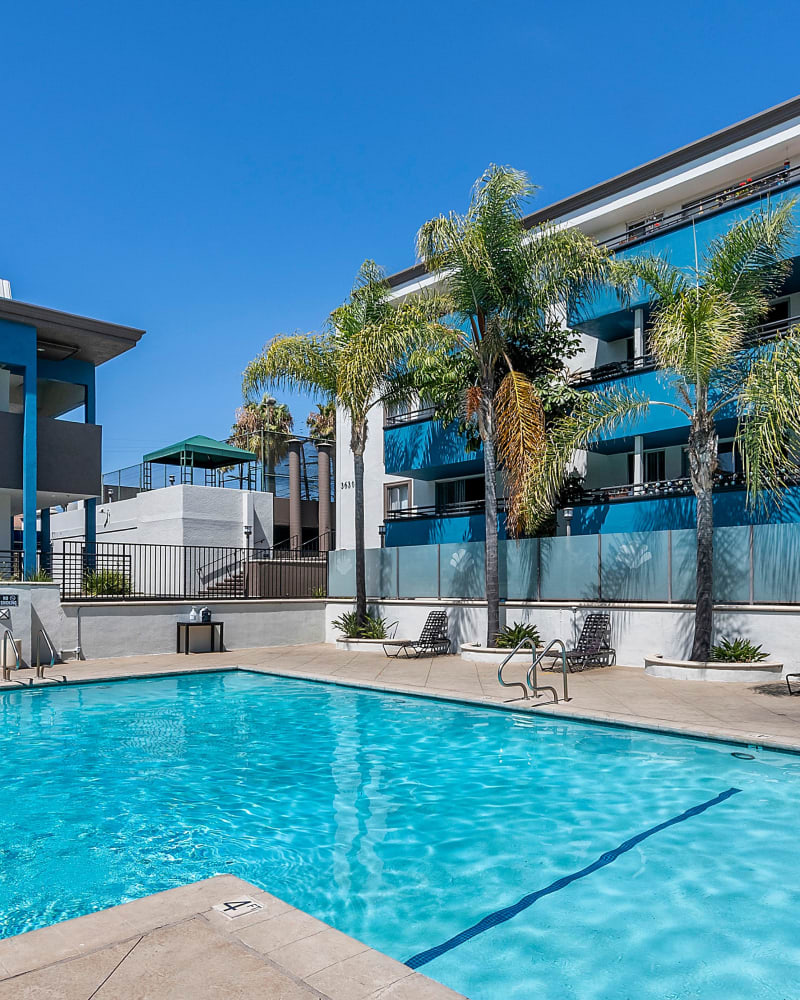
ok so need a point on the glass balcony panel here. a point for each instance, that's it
(569, 568)
(418, 571)
(519, 569)
(462, 569)
(634, 566)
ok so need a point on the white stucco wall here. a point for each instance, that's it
(374, 481)
(637, 630)
(177, 515)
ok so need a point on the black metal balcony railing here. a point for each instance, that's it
(646, 362)
(647, 491)
(752, 187)
(463, 508)
(410, 416)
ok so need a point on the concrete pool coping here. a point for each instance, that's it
(175, 945)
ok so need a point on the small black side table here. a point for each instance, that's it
(186, 625)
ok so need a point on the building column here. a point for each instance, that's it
(638, 459)
(638, 332)
(5, 498)
(324, 472)
(29, 470)
(295, 508)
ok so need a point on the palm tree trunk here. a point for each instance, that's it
(490, 486)
(361, 576)
(704, 602)
(703, 449)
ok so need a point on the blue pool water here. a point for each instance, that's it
(591, 863)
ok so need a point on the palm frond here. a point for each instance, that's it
(751, 261)
(697, 334)
(767, 434)
(295, 360)
(520, 427)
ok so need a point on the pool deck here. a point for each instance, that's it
(175, 946)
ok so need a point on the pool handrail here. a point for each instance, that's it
(534, 686)
(41, 667)
(532, 681)
(8, 634)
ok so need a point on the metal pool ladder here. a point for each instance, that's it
(41, 667)
(8, 634)
(532, 681)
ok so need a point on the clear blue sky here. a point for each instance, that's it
(215, 173)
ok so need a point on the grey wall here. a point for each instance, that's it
(68, 455)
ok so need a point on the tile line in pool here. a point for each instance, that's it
(507, 912)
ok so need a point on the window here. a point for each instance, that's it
(729, 458)
(654, 467)
(778, 311)
(397, 497)
(460, 491)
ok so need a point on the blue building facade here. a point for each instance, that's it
(636, 479)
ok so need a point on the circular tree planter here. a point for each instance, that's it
(482, 654)
(712, 670)
(361, 645)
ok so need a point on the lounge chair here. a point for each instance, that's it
(433, 639)
(793, 677)
(594, 644)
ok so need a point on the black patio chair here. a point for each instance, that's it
(433, 639)
(594, 644)
(792, 677)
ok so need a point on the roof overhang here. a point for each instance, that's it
(62, 335)
(780, 114)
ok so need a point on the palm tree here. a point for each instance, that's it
(322, 424)
(702, 317)
(264, 428)
(505, 286)
(352, 363)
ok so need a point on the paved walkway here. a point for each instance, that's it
(764, 714)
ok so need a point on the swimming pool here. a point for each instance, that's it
(505, 855)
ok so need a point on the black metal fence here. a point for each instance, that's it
(109, 571)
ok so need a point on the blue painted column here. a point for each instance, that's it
(90, 506)
(18, 342)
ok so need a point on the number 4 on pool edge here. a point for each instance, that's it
(238, 907)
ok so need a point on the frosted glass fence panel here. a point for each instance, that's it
(381, 571)
(418, 570)
(342, 573)
(634, 566)
(731, 565)
(569, 568)
(461, 570)
(776, 563)
(519, 569)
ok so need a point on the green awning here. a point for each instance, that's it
(202, 453)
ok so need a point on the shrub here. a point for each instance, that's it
(512, 635)
(374, 627)
(106, 583)
(738, 651)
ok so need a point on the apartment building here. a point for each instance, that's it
(424, 485)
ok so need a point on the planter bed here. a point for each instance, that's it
(713, 670)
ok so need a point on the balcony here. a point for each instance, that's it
(673, 236)
(670, 504)
(646, 362)
(68, 458)
(420, 447)
(441, 523)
